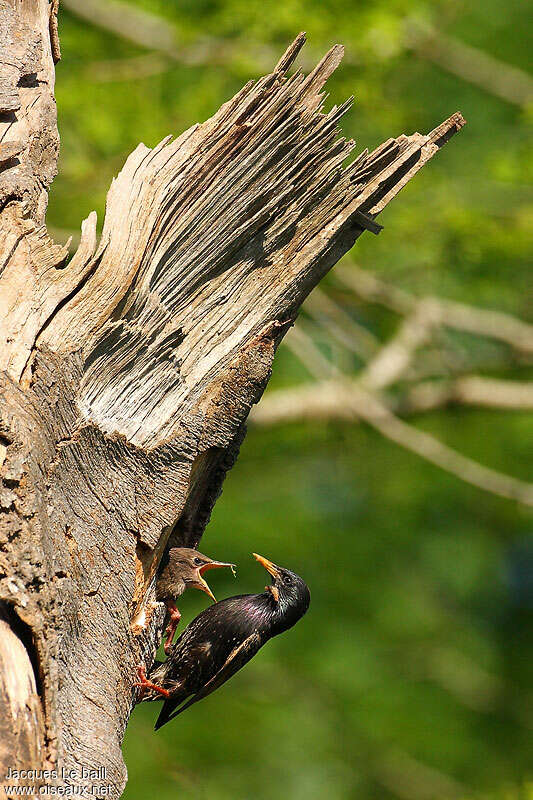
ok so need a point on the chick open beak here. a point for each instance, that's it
(202, 584)
(204, 587)
(216, 565)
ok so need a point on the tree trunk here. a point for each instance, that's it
(129, 372)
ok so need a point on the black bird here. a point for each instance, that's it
(222, 639)
(184, 568)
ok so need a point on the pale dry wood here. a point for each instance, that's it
(28, 154)
(22, 733)
(128, 373)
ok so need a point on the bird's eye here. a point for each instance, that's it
(198, 561)
(287, 580)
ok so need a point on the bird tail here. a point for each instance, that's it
(168, 711)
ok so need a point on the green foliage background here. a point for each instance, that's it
(411, 675)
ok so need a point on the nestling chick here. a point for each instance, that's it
(222, 639)
(184, 568)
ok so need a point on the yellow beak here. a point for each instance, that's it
(268, 565)
(203, 586)
(216, 565)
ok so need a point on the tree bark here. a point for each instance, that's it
(128, 373)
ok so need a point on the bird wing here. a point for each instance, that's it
(238, 657)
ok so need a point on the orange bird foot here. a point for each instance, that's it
(145, 684)
(175, 617)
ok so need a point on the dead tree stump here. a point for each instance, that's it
(128, 372)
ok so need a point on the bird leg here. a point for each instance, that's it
(144, 683)
(175, 617)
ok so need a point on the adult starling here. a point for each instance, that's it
(222, 639)
(184, 568)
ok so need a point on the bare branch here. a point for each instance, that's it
(153, 32)
(394, 358)
(324, 399)
(349, 401)
(426, 446)
(127, 69)
(468, 63)
(308, 353)
(128, 22)
(340, 325)
(448, 313)
(470, 390)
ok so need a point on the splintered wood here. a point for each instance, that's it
(209, 238)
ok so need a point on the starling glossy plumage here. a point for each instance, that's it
(222, 639)
(184, 568)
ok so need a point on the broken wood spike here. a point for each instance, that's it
(366, 222)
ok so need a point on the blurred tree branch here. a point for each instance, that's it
(437, 311)
(341, 397)
(467, 63)
(469, 390)
(148, 30)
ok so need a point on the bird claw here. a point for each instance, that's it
(143, 684)
(170, 630)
